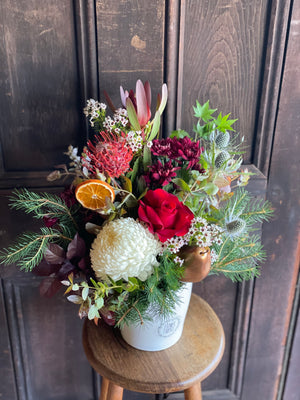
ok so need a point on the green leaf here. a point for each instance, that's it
(180, 133)
(155, 126)
(146, 157)
(93, 312)
(74, 298)
(99, 302)
(223, 124)
(75, 287)
(182, 184)
(132, 115)
(211, 189)
(85, 293)
(164, 98)
(135, 169)
(127, 184)
(203, 112)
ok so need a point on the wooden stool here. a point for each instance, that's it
(180, 367)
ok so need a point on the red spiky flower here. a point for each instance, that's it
(109, 154)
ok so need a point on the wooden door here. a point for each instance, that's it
(241, 55)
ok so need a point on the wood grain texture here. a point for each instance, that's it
(272, 77)
(275, 290)
(222, 55)
(43, 349)
(208, 395)
(291, 384)
(130, 45)
(192, 359)
(39, 83)
(7, 390)
(193, 393)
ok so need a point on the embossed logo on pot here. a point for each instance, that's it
(168, 327)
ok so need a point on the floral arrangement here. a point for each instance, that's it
(138, 208)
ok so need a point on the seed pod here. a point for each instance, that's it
(235, 227)
(222, 140)
(221, 158)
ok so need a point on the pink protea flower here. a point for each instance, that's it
(110, 154)
(141, 101)
(138, 104)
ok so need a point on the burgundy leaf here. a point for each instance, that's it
(45, 269)
(49, 286)
(109, 102)
(65, 270)
(82, 264)
(55, 254)
(76, 248)
(108, 316)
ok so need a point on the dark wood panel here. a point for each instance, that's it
(221, 59)
(47, 355)
(274, 291)
(7, 390)
(130, 44)
(291, 386)
(39, 83)
(232, 303)
(220, 293)
(47, 342)
(274, 63)
(208, 395)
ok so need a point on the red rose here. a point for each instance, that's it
(164, 214)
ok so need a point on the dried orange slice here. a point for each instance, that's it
(91, 194)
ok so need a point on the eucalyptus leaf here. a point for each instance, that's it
(182, 184)
(93, 312)
(85, 293)
(99, 302)
(74, 298)
(211, 189)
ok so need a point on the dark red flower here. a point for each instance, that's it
(160, 174)
(164, 214)
(178, 150)
(49, 222)
(68, 196)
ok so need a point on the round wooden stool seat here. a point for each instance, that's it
(180, 367)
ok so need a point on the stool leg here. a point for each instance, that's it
(114, 392)
(193, 393)
(104, 388)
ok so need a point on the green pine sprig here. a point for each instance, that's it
(239, 259)
(158, 290)
(245, 207)
(44, 205)
(28, 250)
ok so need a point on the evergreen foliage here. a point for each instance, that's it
(44, 205)
(159, 290)
(238, 259)
(28, 250)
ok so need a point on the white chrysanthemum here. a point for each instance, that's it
(124, 248)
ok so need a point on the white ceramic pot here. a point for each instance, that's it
(160, 333)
